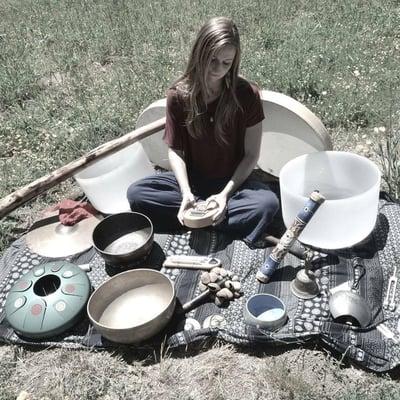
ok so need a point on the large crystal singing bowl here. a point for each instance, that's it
(350, 184)
(106, 181)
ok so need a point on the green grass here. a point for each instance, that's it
(76, 74)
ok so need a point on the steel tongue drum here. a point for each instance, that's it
(266, 271)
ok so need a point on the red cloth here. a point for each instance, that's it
(71, 212)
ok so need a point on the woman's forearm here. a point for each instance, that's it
(178, 166)
(249, 161)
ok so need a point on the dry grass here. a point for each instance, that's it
(218, 373)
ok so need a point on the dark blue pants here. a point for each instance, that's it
(249, 210)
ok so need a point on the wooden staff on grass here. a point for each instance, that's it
(30, 191)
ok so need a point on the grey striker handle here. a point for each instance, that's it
(266, 271)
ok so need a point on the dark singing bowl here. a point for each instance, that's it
(123, 238)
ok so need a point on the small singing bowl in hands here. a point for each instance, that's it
(265, 311)
(200, 215)
(123, 238)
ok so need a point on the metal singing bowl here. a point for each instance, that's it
(123, 238)
(132, 306)
(135, 305)
(350, 308)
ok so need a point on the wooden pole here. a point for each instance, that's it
(33, 189)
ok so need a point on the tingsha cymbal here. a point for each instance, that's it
(57, 240)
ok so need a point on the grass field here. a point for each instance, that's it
(74, 74)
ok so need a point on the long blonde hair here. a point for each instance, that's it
(213, 35)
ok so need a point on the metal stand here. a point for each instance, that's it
(304, 286)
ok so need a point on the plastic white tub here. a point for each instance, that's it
(350, 184)
(106, 182)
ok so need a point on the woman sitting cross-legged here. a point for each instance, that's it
(213, 131)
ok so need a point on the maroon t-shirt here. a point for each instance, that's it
(205, 156)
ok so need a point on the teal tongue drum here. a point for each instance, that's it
(48, 300)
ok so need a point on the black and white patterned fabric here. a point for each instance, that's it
(307, 319)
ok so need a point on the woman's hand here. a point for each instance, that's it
(219, 201)
(188, 201)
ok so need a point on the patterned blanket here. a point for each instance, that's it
(307, 319)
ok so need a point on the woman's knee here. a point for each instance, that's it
(268, 203)
(154, 192)
(134, 194)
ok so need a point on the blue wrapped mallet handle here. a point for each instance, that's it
(312, 204)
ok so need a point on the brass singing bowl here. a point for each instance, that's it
(132, 306)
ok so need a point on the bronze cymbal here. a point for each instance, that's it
(57, 240)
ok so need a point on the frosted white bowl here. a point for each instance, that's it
(350, 184)
(106, 181)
